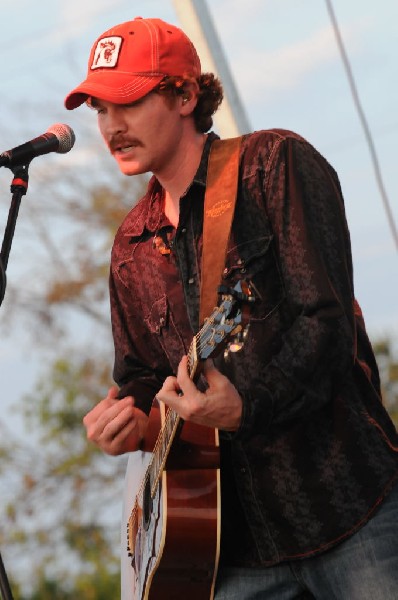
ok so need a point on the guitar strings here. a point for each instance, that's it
(158, 459)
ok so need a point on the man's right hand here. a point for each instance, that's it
(116, 426)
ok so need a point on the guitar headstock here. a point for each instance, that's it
(220, 328)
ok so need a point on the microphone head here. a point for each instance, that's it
(65, 136)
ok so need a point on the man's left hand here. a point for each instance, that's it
(220, 406)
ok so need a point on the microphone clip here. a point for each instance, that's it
(21, 178)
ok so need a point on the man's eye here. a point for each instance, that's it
(94, 106)
(98, 109)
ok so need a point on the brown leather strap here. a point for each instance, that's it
(220, 197)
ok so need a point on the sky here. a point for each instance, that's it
(289, 73)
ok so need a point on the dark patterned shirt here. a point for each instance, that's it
(316, 451)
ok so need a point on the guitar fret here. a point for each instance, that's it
(162, 448)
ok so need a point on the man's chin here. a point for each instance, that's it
(131, 168)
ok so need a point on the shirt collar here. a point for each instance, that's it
(201, 173)
(151, 216)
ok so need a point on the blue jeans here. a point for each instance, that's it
(364, 567)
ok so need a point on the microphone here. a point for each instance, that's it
(58, 138)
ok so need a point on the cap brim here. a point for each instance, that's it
(116, 88)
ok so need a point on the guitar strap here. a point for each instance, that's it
(219, 206)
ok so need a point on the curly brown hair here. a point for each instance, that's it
(209, 97)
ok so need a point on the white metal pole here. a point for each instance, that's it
(196, 21)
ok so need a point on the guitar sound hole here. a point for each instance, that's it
(147, 505)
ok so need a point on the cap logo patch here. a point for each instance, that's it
(107, 52)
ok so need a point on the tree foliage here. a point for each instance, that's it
(387, 360)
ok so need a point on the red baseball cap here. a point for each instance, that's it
(129, 60)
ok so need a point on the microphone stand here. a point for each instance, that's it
(4, 585)
(19, 187)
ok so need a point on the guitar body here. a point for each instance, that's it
(136, 466)
(174, 532)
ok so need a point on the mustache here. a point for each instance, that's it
(118, 141)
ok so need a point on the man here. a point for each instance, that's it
(308, 453)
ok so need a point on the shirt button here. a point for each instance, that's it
(184, 230)
(191, 280)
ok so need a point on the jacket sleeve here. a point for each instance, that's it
(304, 204)
(133, 374)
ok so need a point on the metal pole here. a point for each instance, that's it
(196, 21)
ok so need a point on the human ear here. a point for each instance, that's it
(189, 97)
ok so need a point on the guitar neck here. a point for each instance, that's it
(170, 427)
(162, 447)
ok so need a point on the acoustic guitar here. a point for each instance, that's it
(172, 488)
